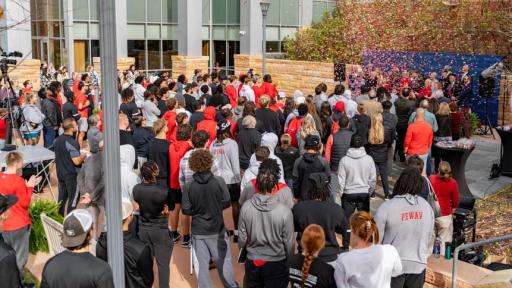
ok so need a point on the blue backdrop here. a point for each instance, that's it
(426, 62)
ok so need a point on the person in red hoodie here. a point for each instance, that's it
(268, 88)
(170, 118)
(419, 136)
(16, 228)
(176, 151)
(231, 91)
(257, 88)
(209, 124)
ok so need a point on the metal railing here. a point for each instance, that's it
(471, 245)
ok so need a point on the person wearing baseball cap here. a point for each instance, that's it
(76, 266)
(138, 260)
(9, 272)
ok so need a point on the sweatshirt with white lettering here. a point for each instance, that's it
(407, 222)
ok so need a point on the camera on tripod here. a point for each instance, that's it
(6, 59)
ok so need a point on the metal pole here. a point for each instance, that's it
(264, 48)
(471, 245)
(108, 52)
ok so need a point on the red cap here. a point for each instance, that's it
(339, 106)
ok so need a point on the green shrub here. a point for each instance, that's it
(474, 121)
(38, 240)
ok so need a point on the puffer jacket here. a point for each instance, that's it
(340, 146)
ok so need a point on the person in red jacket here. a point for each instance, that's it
(447, 191)
(177, 150)
(170, 118)
(231, 91)
(209, 124)
(268, 88)
(3, 125)
(16, 229)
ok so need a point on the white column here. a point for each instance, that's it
(251, 28)
(306, 12)
(68, 34)
(190, 25)
(121, 28)
(19, 36)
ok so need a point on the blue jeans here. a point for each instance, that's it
(49, 135)
(289, 183)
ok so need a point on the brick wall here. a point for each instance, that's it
(27, 69)
(290, 75)
(186, 64)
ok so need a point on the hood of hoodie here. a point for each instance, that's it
(264, 202)
(209, 113)
(309, 157)
(127, 156)
(179, 146)
(347, 94)
(411, 199)
(269, 140)
(254, 165)
(202, 177)
(356, 153)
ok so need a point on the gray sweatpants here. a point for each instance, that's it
(18, 240)
(216, 248)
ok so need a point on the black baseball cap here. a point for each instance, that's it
(311, 141)
(7, 201)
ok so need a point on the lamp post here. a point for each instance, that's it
(264, 4)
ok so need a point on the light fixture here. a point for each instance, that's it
(264, 4)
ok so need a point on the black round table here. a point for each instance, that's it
(457, 158)
(506, 157)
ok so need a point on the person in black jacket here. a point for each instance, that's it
(9, 272)
(380, 139)
(138, 260)
(288, 155)
(128, 105)
(404, 108)
(52, 112)
(360, 124)
(206, 198)
(249, 138)
(69, 109)
(325, 213)
(190, 101)
(339, 148)
(154, 209)
(310, 162)
(268, 117)
(142, 135)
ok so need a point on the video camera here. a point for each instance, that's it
(6, 59)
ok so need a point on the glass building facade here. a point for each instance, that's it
(152, 30)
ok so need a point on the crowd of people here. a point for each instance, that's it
(298, 173)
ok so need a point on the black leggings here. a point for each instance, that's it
(351, 202)
(161, 244)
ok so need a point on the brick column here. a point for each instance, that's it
(186, 64)
(27, 69)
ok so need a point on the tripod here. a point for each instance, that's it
(10, 143)
(487, 129)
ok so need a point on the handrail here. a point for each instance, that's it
(471, 245)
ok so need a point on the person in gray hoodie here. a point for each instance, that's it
(225, 156)
(266, 233)
(356, 177)
(32, 120)
(407, 223)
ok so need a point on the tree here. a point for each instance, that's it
(474, 27)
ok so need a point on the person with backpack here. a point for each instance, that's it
(32, 120)
(205, 200)
(296, 122)
(356, 177)
(310, 162)
(330, 216)
(361, 123)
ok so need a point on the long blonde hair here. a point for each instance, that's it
(308, 127)
(444, 109)
(376, 134)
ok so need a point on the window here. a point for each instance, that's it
(289, 12)
(273, 46)
(80, 10)
(94, 12)
(320, 7)
(137, 50)
(154, 56)
(219, 11)
(169, 11)
(169, 48)
(136, 10)
(233, 11)
(154, 10)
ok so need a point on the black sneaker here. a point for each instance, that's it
(186, 241)
(176, 236)
(373, 195)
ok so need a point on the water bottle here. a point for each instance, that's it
(448, 251)
(437, 248)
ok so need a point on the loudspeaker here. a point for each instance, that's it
(339, 72)
(486, 87)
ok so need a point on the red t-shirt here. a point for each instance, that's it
(447, 193)
(3, 129)
(11, 184)
(81, 98)
(418, 138)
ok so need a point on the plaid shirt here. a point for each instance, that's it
(186, 173)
